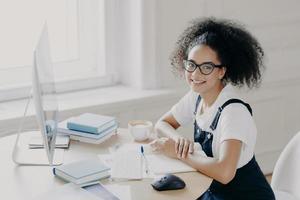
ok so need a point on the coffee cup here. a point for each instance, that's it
(140, 129)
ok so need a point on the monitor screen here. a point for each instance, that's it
(44, 93)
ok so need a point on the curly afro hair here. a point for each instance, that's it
(236, 48)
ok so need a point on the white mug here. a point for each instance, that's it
(140, 129)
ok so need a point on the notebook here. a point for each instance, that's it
(62, 128)
(91, 123)
(83, 171)
(160, 164)
(126, 165)
(94, 141)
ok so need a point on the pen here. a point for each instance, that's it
(146, 162)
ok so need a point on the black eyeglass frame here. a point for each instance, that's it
(199, 66)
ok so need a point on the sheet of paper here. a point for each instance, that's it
(107, 159)
(126, 165)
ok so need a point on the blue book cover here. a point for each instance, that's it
(91, 123)
(62, 128)
(82, 171)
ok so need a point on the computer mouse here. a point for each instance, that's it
(168, 182)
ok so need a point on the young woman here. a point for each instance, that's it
(217, 55)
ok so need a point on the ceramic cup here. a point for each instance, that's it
(140, 129)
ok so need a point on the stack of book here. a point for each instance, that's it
(84, 172)
(88, 127)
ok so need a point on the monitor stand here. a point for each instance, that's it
(22, 155)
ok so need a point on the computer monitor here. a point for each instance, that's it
(46, 108)
(44, 94)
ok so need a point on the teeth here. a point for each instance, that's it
(197, 81)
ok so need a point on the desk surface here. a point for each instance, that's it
(26, 182)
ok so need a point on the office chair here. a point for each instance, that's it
(286, 176)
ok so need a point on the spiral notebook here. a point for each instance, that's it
(128, 163)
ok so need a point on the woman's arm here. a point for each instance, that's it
(222, 169)
(166, 127)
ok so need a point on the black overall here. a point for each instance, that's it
(249, 181)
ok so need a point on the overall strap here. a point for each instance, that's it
(214, 124)
(197, 104)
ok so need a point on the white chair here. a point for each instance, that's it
(286, 175)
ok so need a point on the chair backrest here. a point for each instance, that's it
(286, 174)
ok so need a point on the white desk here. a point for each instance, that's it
(25, 182)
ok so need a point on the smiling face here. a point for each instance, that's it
(205, 84)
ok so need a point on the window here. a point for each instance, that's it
(77, 41)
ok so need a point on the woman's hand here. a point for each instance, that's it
(164, 145)
(183, 146)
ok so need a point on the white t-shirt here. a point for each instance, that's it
(235, 121)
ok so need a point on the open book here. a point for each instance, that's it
(127, 162)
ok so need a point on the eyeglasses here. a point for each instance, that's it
(205, 68)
